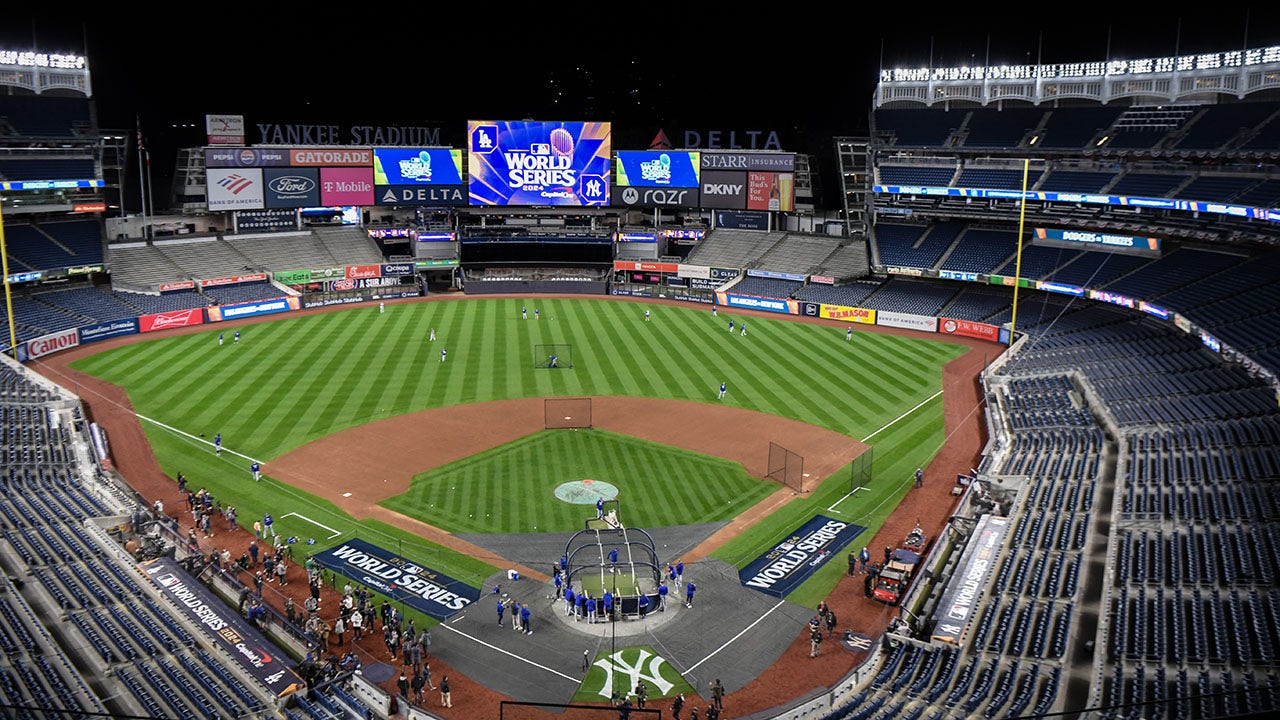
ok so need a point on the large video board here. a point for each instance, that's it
(538, 163)
(418, 176)
(650, 168)
(417, 166)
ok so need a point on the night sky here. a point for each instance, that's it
(807, 77)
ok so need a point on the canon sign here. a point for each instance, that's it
(49, 344)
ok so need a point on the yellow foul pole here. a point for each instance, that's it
(8, 296)
(1017, 264)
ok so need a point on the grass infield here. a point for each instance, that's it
(296, 379)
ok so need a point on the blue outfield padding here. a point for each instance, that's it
(793, 560)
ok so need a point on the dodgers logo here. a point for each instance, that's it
(484, 138)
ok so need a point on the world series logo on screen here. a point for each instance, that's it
(538, 163)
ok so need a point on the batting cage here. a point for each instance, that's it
(611, 556)
(551, 357)
(786, 467)
(566, 413)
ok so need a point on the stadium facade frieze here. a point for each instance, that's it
(301, 134)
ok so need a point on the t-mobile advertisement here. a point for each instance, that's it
(346, 186)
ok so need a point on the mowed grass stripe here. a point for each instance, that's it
(892, 365)
(179, 371)
(607, 353)
(337, 377)
(587, 369)
(307, 372)
(849, 393)
(635, 370)
(687, 343)
(781, 394)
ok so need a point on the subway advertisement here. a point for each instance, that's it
(538, 163)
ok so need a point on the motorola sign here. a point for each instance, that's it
(658, 197)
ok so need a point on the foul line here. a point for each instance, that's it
(313, 522)
(847, 495)
(891, 423)
(193, 437)
(509, 653)
(731, 640)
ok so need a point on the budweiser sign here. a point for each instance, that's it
(166, 320)
(52, 343)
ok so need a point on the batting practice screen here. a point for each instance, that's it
(553, 356)
(565, 413)
(786, 467)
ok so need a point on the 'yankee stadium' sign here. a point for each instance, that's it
(422, 589)
(792, 561)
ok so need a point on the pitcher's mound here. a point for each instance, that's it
(586, 491)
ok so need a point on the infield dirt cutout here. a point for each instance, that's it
(379, 460)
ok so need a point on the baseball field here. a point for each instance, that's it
(322, 401)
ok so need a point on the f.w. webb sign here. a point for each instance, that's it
(422, 589)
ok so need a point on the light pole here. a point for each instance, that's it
(4, 277)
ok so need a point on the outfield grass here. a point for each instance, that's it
(297, 379)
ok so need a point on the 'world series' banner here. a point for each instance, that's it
(252, 652)
(792, 561)
(964, 591)
(422, 589)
